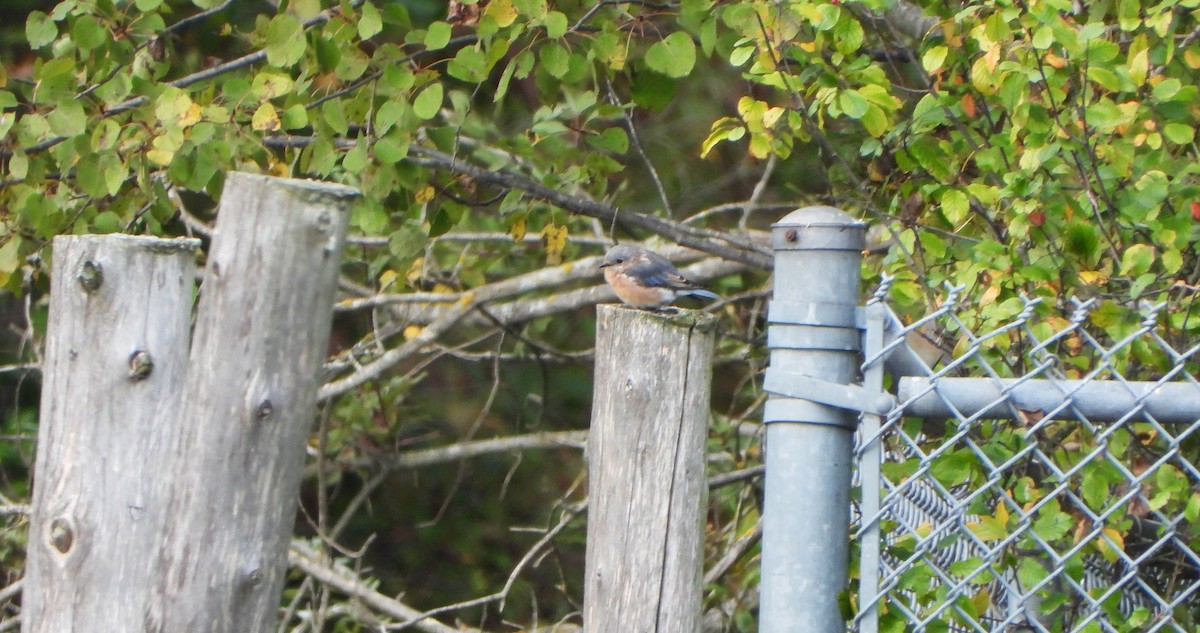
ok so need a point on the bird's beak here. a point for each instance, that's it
(605, 265)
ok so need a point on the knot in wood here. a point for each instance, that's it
(324, 222)
(264, 410)
(61, 535)
(90, 276)
(140, 365)
(252, 577)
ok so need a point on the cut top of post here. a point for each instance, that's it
(681, 317)
(306, 190)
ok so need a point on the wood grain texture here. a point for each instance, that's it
(262, 329)
(114, 368)
(646, 474)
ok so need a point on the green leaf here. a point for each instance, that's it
(106, 222)
(369, 23)
(294, 118)
(10, 257)
(427, 104)
(437, 36)
(1094, 489)
(612, 139)
(285, 40)
(556, 60)
(1105, 77)
(390, 150)
(469, 64)
(674, 56)
(875, 121)
(68, 119)
(334, 115)
(40, 30)
(88, 34)
(1178, 133)
(355, 160)
(1191, 512)
(388, 114)
(1166, 89)
(1137, 259)
(852, 103)
(933, 58)
(352, 64)
(1172, 260)
(556, 24)
(1052, 523)
(955, 206)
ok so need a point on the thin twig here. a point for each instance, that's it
(636, 140)
(732, 556)
(305, 559)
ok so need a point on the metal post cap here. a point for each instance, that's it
(818, 228)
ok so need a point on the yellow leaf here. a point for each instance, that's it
(265, 118)
(191, 116)
(517, 228)
(413, 331)
(279, 169)
(416, 271)
(1139, 66)
(989, 295)
(1109, 547)
(160, 157)
(502, 11)
(387, 278)
(425, 195)
(981, 601)
(1192, 58)
(554, 238)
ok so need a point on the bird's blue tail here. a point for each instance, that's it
(699, 292)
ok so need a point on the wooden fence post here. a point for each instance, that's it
(113, 367)
(647, 486)
(262, 329)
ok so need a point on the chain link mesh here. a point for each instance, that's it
(1033, 520)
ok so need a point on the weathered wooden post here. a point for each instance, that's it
(114, 365)
(164, 502)
(647, 486)
(262, 329)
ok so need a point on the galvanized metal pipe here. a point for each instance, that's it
(813, 332)
(1096, 400)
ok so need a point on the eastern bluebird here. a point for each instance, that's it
(644, 279)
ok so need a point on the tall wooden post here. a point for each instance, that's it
(114, 366)
(262, 328)
(166, 484)
(646, 477)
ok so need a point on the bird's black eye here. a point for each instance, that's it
(618, 261)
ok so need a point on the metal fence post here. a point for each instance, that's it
(813, 334)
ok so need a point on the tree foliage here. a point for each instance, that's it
(1041, 148)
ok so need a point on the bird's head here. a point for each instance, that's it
(619, 254)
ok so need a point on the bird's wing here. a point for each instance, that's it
(658, 272)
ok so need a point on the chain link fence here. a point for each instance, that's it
(1041, 477)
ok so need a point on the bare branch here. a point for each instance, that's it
(731, 557)
(466, 450)
(305, 559)
(724, 245)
